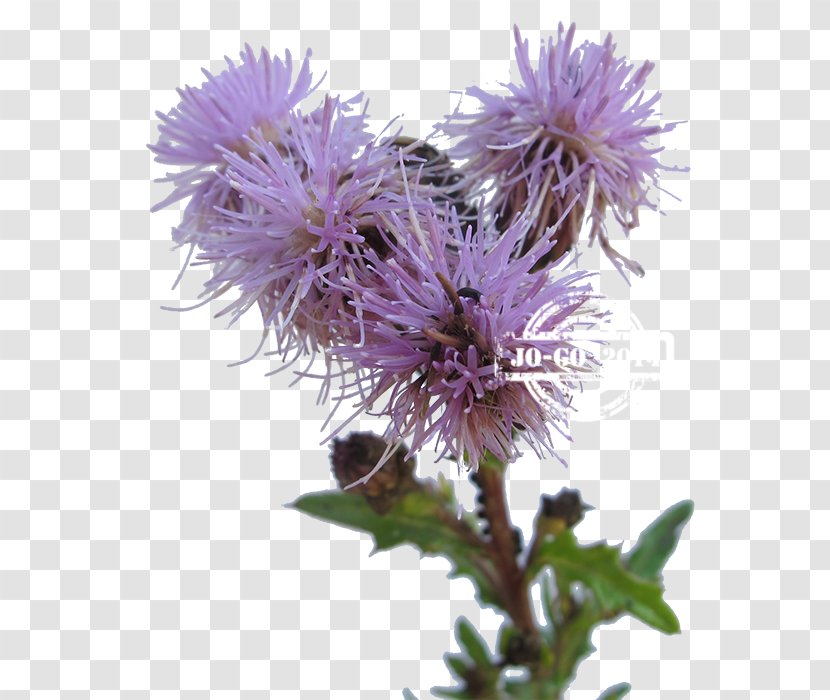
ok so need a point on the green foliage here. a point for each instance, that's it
(426, 518)
(471, 641)
(572, 640)
(599, 567)
(475, 666)
(616, 692)
(658, 541)
(597, 584)
(530, 688)
(583, 585)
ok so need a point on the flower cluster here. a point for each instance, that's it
(417, 271)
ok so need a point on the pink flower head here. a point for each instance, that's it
(255, 95)
(240, 112)
(311, 205)
(574, 129)
(444, 316)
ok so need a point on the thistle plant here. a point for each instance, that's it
(417, 272)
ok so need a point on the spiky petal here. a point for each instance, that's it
(239, 113)
(313, 208)
(445, 316)
(576, 129)
(256, 94)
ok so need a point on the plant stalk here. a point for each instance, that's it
(514, 589)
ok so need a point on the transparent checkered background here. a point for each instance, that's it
(144, 547)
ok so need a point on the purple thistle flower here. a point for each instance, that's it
(241, 113)
(255, 95)
(575, 130)
(245, 100)
(444, 316)
(311, 205)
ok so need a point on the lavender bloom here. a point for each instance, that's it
(444, 315)
(575, 130)
(245, 100)
(255, 95)
(311, 208)
(240, 113)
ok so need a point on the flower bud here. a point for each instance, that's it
(442, 179)
(562, 511)
(355, 457)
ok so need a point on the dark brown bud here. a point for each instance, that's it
(566, 507)
(372, 238)
(438, 172)
(521, 650)
(437, 168)
(355, 457)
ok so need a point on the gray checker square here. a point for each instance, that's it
(145, 550)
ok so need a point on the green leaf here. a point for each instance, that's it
(408, 694)
(658, 541)
(616, 692)
(426, 518)
(453, 693)
(547, 599)
(531, 688)
(506, 633)
(600, 568)
(471, 641)
(573, 640)
(457, 665)
(475, 685)
(475, 667)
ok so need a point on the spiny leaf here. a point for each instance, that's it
(475, 667)
(476, 686)
(422, 518)
(408, 694)
(616, 692)
(470, 641)
(600, 568)
(457, 665)
(466, 567)
(658, 541)
(411, 520)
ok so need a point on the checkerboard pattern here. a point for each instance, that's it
(144, 547)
